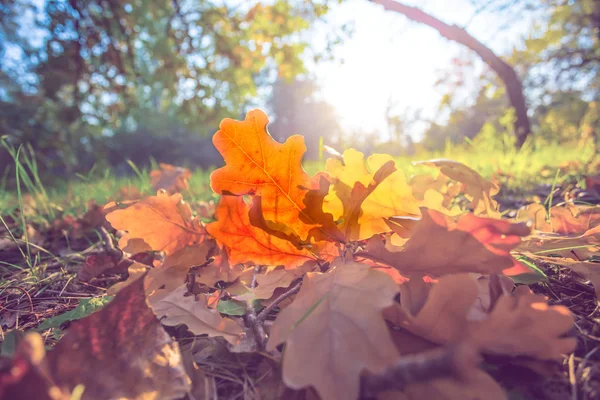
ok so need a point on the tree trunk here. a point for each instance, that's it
(511, 80)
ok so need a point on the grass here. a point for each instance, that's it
(515, 171)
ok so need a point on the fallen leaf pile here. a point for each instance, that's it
(339, 283)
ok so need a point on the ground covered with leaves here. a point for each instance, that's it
(355, 282)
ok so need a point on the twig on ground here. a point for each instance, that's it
(109, 245)
(252, 321)
(265, 313)
(26, 293)
(456, 360)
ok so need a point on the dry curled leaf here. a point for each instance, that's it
(160, 223)
(170, 178)
(476, 188)
(479, 386)
(255, 164)
(177, 308)
(277, 278)
(98, 264)
(525, 325)
(435, 311)
(580, 247)
(564, 220)
(334, 330)
(439, 245)
(173, 272)
(521, 324)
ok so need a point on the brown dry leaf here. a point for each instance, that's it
(177, 308)
(268, 282)
(440, 245)
(278, 278)
(361, 200)
(334, 330)
(173, 272)
(246, 243)
(163, 222)
(119, 352)
(477, 189)
(564, 220)
(135, 271)
(522, 324)
(479, 386)
(98, 264)
(489, 288)
(580, 247)
(525, 325)
(590, 271)
(219, 270)
(437, 312)
(255, 164)
(170, 178)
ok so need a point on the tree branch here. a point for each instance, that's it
(458, 361)
(506, 72)
(265, 313)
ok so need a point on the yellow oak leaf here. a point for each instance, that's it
(363, 194)
(476, 188)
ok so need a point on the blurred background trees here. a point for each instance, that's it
(83, 79)
(96, 82)
(559, 63)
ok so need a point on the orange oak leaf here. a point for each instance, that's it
(478, 189)
(248, 244)
(361, 200)
(170, 178)
(255, 164)
(334, 330)
(159, 223)
(440, 245)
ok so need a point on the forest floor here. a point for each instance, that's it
(47, 235)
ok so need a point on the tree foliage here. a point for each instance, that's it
(94, 68)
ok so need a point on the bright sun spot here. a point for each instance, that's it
(390, 60)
